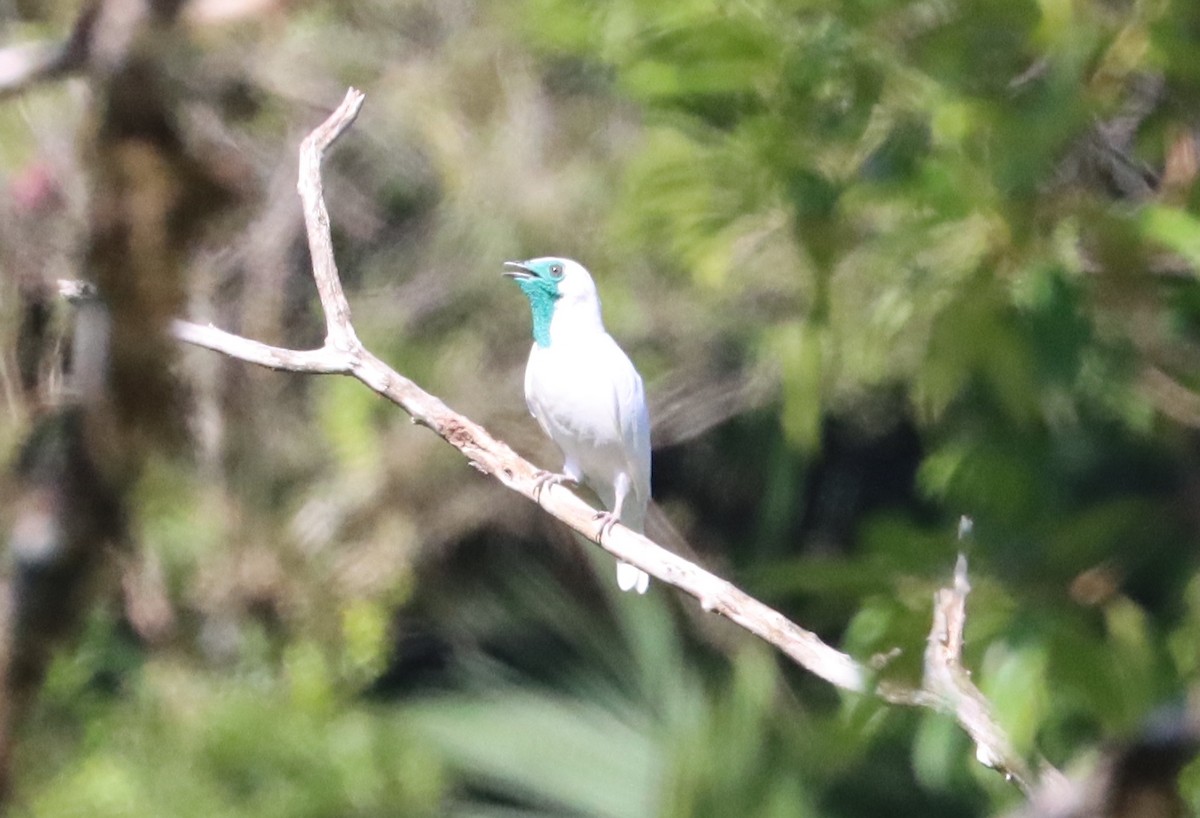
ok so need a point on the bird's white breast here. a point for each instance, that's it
(586, 395)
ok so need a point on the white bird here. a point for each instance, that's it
(587, 396)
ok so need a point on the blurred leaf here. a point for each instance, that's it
(1014, 679)
(718, 59)
(365, 633)
(559, 753)
(938, 750)
(347, 414)
(1176, 229)
(798, 349)
(196, 747)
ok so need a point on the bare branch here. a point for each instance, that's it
(950, 682)
(946, 686)
(339, 333)
(324, 361)
(27, 64)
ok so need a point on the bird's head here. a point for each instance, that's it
(554, 285)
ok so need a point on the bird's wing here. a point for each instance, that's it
(532, 400)
(633, 421)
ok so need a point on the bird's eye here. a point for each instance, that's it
(556, 270)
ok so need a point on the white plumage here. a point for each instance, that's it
(586, 394)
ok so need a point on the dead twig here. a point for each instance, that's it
(27, 64)
(946, 686)
(950, 682)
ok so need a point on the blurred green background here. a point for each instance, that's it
(881, 264)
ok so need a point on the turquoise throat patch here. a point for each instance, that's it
(541, 303)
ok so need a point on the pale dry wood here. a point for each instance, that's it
(949, 681)
(25, 64)
(946, 686)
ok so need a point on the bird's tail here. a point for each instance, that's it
(632, 578)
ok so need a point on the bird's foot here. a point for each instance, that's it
(546, 478)
(607, 520)
(629, 577)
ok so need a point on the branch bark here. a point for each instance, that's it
(950, 685)
(28, 64)
(946, 685)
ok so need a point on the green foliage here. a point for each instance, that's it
(189, 744)
(895, 181)
(928, 227)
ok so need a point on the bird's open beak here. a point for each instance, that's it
(518, 271)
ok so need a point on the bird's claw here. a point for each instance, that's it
(545, 478)
(607, 520)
